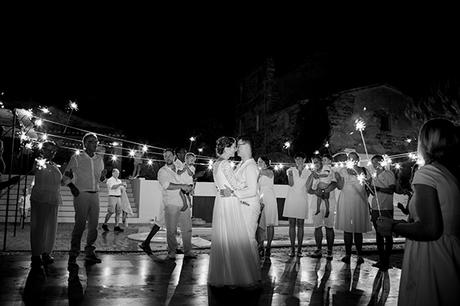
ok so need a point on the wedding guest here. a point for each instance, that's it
(82, 175)
(174, 216)
(268, 198)
(296, 204)
(45, 200)
(431, 255)
(323, 218)
(384, 183)
(114, 185)
(352, 208)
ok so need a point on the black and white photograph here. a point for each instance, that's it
(229, 156)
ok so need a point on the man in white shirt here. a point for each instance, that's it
(171, 186)
(82, 175)
(114, 185)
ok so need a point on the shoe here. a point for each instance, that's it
(316, 254)
(105, 227)
(72, 260)
(72, 267)
(36, 262)
(171, 256)
(190, 255)
(92, 258)
(118, 229)
(316, 213)
(299, 253)
(146, 248)
(291, 253)
(326, 214)
(378, 264)
(179, 251)
(381, 266)
(261, 252)
(329, 256)
(47, 259)
(360, 260)
(346, 259)
(267, 252)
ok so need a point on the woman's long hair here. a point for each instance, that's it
(438, 141)
(267, 162)
(222, 143)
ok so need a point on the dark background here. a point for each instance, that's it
(164, 80)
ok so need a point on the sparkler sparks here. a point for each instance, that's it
(41, 163)
(360, 125)
(73, 105)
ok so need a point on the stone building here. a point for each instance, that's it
(275, 109)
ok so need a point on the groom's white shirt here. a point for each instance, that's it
(248, 172)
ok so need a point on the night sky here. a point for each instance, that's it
(162, 83)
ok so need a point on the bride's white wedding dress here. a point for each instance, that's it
(234, 261)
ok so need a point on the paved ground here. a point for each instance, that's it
(135, 279)
(120, 242)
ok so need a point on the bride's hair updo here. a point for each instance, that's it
(222, 143)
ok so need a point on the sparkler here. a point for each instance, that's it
(149, 162)
(144, 148)
(132, 153)
(192, 139)
(41, 163)
(44, 110)
(73, 107)
(360, 125)
(114, 158)
(286, 146)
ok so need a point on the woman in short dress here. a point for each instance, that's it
(296, 204)
(268, 198)
(352, 212)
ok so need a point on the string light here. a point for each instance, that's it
(287, 145)
(39, 122)
(77, 152)
(144, 148)
(114, 158)
(149, 162)
(132, 153)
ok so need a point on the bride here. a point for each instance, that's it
(233, 260)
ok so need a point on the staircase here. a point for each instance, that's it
(66, 210)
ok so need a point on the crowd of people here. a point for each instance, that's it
(246, 210)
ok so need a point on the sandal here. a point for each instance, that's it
(292, 253)
(146, 248)
(267, 252)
